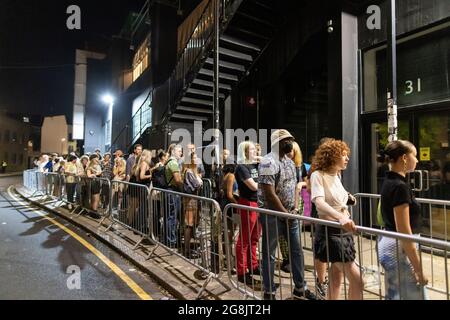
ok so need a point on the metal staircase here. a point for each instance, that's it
(246, 29)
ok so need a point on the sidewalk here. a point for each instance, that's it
(11, 174)
(170, 272)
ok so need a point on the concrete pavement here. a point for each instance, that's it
(41, 254)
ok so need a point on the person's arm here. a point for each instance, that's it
(243, 174)
(318, 198)
(89, 173)
(251, 184)
(178, 180)
(128, 167)
(229, 183)
(401, 215)
(272, 199)
(142, 171)
(324, 208)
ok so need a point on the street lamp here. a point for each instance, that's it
(62, 145)
(108, 99)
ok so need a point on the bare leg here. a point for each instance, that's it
(356, 284)
(321, 270)
(336, 278)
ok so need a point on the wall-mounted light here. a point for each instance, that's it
(330, 27)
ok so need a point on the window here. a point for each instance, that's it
(24, 139)
(14, 158)
(21, 159)
(6, 156)
(14, 137)
(421, 78)
(7, 136)
(141, 59)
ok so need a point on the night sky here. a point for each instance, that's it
(37, 51)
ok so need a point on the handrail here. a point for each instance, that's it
(130, 123)
(187, 61)
(360, 229)
(226, 18)
(192, 33)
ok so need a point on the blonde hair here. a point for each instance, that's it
(243, 152)
(298, 156)
(191, 165)
(146, 156)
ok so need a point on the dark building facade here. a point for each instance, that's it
(316, 68)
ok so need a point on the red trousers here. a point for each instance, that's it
(248, 238)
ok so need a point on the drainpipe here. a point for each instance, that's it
(392, 73)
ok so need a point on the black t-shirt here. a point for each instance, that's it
(396, 192)
(243, 173)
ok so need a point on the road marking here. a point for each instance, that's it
(122, 275)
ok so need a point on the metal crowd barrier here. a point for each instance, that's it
(94, 196)
(41, 185)
(436, 223)
(54, 187)
(30, 179)
(130, 207)
(189, 227)
(249, 251)
(207, 189)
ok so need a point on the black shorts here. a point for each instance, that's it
(341, 248)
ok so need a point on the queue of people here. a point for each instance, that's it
(279, 181)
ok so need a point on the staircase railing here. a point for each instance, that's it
(189, 62)
(195, 52)
(141, 120)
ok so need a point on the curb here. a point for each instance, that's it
(14, 174)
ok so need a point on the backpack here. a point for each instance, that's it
(159, 177)
(191, 184)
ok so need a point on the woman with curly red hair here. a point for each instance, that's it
(331, 199)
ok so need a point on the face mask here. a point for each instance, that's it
(288, 147)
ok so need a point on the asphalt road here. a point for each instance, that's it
(40, 260)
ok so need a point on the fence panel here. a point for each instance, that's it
(188, 226)
(254, 247)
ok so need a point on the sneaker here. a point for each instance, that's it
(303, 295)
(322, 289)
(286, 266)
(69, 207)
(248, 280)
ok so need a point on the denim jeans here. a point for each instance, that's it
(272, 227)
(173, 208)
(399, 277)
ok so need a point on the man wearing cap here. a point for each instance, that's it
(276, 191)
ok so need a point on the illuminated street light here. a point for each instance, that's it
(108, 99)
